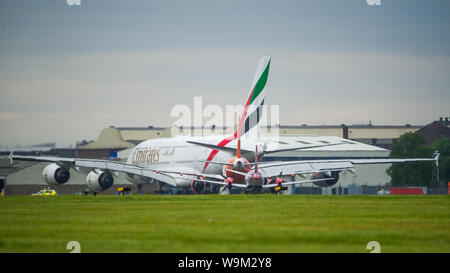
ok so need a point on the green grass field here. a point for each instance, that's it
(234, 223)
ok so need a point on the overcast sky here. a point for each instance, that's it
(66, 72)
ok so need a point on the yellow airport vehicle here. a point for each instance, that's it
(123, 190)
(45, 193)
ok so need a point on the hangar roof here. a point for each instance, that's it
(434, 130)
(124, 137)
(109, 138)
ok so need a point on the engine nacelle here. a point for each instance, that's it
(54, 174)
(197, 186)
(327, 183)
(98, 182)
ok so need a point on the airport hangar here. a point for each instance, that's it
(365, 141)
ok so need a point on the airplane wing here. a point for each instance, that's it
(62, 160)
(113, 166)
(314, 166)
(221, 183)
(166, 176)
(267, 186)
(303, 167)
(270, 169)
(273, 169)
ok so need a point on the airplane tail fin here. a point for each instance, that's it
(252, 110)
(238, 150)
(253, 105)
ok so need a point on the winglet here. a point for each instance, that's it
(11, 158)
(436, 158)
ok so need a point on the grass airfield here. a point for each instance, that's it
(232, 223)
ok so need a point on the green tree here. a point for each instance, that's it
(410, 145)
(442, 145)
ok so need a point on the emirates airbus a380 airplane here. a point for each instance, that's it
(221, 160)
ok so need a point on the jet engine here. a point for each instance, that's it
(327, 183)
(98, 181)
(54, 174)
(197, 186)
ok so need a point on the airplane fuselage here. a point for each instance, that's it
(177, 153)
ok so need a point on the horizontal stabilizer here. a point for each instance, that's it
(303, 147)
(217, 147)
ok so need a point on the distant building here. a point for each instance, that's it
(118, 139)
(377, 135)
(435, 130)
(122, 138)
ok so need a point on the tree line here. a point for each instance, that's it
(413, 145)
